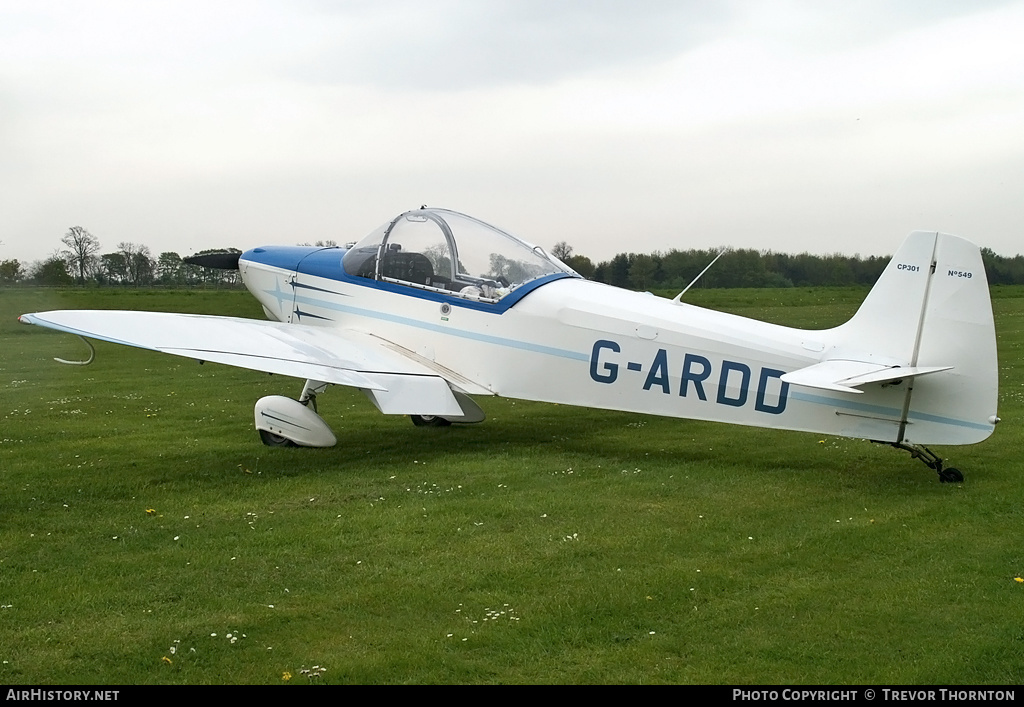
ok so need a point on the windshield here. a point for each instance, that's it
(449, 252)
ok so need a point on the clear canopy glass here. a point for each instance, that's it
(450, 252)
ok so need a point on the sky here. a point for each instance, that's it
(626, 126)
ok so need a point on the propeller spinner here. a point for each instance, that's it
(221, 261)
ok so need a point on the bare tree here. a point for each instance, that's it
(562, 251)
(82, 250)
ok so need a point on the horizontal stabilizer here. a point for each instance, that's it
(847, 376)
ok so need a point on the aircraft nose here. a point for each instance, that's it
(284, 257)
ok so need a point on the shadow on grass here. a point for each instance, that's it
(534, 435)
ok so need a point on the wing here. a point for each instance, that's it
(847, 376)
(396, 383)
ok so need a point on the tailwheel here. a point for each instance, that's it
(429, 421)
(932, 460)
(951, 476)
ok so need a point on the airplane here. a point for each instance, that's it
(436, 309)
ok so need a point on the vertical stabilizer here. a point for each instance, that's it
(931, 308)
(887, 326)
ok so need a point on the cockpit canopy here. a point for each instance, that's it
(449, 252)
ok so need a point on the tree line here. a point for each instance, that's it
(81, 262)
(133, 265)
(744, 267)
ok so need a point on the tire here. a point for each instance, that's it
(272, 440)
(951, 476)
(429, 421)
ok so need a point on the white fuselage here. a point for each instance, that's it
(577, 342)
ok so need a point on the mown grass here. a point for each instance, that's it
(548, 544)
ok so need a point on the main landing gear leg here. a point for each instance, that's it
(932, 461)
(310, 390)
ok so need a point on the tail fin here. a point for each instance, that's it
(931, 310)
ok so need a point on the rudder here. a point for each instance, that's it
(956, 406)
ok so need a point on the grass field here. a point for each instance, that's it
(146, 536)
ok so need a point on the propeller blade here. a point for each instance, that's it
(220, 261)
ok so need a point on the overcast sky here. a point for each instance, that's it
(638, 125)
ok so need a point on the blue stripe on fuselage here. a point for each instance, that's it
(451, 331)
(326, 263)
